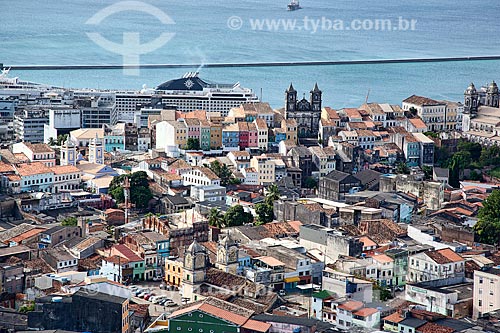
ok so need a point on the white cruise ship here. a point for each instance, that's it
(14, 86)
(192, 93)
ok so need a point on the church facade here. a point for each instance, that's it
(307, 113)
(481, 119)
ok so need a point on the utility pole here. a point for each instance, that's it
(126, 194)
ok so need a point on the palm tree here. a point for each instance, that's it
(52, 142)
(215, 218)
(273, 193)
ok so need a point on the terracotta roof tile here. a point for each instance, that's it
(351, 306)
(394, 318)
(365, 312)
(28, 169)
(444, 256)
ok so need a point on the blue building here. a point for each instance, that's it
(114, 137)
(231, 136)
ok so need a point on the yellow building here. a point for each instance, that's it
(173, 272)
(125, 316)
(290, 128)
(215, 136)
(265, 168)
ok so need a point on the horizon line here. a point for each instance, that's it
(257, 64)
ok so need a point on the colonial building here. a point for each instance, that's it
(227, 255)
(306, 113)
(481, 118)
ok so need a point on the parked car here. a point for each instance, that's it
(133, 287)
(157, 278)
(164, 301)
(148, 296)
(170, 303)
(282, 292)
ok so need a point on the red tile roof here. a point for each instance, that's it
(351, 306)
(434, 328)
(444, 256)
(214, 311)
(258, 326)
(394, 318)
(365, 312)
(127, 253)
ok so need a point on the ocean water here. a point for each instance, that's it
(54, 33)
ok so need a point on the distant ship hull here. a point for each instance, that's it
(294, 5)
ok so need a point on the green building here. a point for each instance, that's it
(400, 257)
(212, 315)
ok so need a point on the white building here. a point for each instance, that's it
(64, 118)
(36, 152)
(353, 313)
(486, 292)
(432, 112)
(208, 193)
(81, 137)
(344, 285)
(35, 177)
(29, 125)
(66, 178)
(448, 296)
(251, 176)
(200, 176)
(240, 159)
(385, 269)
(435, 265)
(262, 134)
(265, 168)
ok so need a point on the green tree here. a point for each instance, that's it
(265, 213)
(473, 148)
(27, 308)
(458, 162)
(441, 156)
(236, 216)
(52, 142)
(487, 228)
(70, 221)
(432, 135)
(61, 139)
(193, 144)
(427, 171)
(273, 194)
(215, 218)
(402, 168)
(223, 172)
(310, 182)
(476, 176)
(140, 193)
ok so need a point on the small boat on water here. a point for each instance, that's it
(294, 5)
